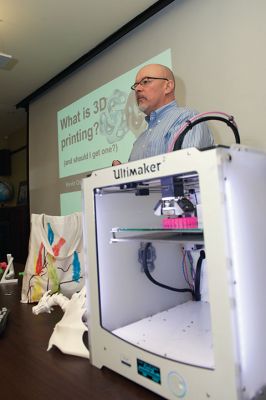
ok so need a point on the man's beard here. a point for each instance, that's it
(142, 106)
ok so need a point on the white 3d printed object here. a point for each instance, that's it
(68, 332)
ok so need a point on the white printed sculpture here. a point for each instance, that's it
(68, 332)
(8, 275)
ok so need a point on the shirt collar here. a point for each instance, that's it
(159, 113)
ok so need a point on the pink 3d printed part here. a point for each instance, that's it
(180, 223)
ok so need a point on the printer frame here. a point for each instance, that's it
(232, 184)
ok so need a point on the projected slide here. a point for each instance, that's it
(99, 128)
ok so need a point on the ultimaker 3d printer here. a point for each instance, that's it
(175, 247)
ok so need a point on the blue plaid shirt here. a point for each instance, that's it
(162, 125)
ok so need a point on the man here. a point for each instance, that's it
(155, 95)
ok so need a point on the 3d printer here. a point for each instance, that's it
(175, 255)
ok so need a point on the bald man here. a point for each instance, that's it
(155, 95)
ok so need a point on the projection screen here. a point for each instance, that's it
(90, 118)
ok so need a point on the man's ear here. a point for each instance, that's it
(170, 86)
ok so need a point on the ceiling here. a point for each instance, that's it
(45, 37)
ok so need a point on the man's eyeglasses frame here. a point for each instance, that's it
(146, 80)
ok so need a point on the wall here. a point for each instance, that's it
(15, 141)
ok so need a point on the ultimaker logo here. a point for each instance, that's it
(143, 169)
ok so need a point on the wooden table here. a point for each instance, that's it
(28, 371)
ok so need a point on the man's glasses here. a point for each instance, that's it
(145, 81)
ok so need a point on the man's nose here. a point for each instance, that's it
(138, 88)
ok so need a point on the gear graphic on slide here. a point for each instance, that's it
(113, 123)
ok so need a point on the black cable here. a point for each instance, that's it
(179, 140)
(197, 295)
(149, 276)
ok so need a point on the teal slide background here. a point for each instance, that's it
(99, 128)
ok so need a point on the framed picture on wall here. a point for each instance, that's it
(22, 193)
